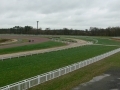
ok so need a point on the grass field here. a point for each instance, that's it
(43, 45)
(71, 80)
(21, 68)
(63, 39)
(85, 38)
(107, 41)
(101, 40)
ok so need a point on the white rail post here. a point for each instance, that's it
(53, 75)
(46, 77)
(29, 84)
(59, 72)
(18, 86)
(65, 70)
(25, 84)
(50, 75)
(8, 87)
(38, 79)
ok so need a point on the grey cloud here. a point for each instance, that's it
(79, 14)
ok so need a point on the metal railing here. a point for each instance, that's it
(30, 82)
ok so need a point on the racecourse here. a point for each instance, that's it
(16, 69)
(26, 53)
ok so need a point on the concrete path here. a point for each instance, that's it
(26, 53)
(106, 45)
(108, 81)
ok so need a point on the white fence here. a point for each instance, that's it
(30, 82)
(30, 53)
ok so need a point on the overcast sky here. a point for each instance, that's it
(76, 14)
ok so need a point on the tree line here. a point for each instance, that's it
(94, 31)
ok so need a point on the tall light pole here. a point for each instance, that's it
(37, 25)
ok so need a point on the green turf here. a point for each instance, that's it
(21, 68)
(73, 79)
(43, 45)
(107, 41)
(67, 39)
(101, 40)
(86, 38)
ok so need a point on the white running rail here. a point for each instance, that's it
(33, 81)
(30, 53)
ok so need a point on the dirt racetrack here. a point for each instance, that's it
(26, 53)
(22, 40)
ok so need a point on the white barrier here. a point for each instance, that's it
(37, 52)
(30, 82)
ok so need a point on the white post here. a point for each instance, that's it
(65, 70)
(38, 79)
(18, 86)
(25, 84)
(59, 72)
(53, 75)
(46, 77)
(8, 87)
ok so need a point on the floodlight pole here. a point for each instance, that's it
(37, 25)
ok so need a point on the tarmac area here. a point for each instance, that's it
(110, 80)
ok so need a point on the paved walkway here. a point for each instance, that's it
(108, 81)
(26, 53)
(106, 45)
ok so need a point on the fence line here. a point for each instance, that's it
(30, 82)
(30, 53)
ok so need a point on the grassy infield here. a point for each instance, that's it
(43, 45)
(27, 67)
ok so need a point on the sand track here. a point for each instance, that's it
(22, 40)
(8, 42)
(26, 53)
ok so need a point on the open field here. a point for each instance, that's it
(71, 80)
(30, 47)
(21, 68)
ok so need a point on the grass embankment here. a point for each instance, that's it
(71, 80)
(43, 45)
(21, 68)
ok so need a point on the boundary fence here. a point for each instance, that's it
(30, 53)
(30, 82)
